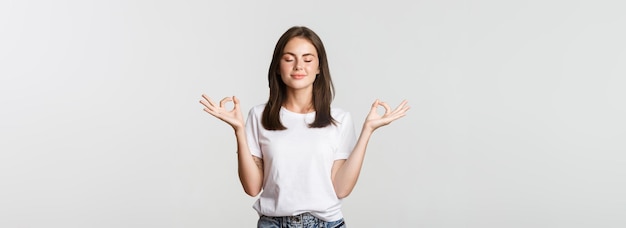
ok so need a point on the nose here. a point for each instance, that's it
(298, 66)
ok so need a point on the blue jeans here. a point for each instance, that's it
(305, 220)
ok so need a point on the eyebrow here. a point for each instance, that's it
(289, 53)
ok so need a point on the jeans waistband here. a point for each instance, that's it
(301, 220)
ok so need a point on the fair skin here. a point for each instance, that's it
(299, 66)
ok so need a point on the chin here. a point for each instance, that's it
(299, 86)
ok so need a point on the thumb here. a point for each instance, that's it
(374, 105)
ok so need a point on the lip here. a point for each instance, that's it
(298, 76)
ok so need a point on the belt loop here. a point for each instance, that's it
(285, 222)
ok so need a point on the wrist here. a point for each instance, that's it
(367, 129)
(239, 129)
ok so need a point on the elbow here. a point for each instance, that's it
(252, 192)
(342, 190)
(341, 196)
(251, 186)
(342, 193)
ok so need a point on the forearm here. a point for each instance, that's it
(347, 175)
(250, 171)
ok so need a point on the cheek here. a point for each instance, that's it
(316, 68)
(284, 68)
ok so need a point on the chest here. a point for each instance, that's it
(299, 144)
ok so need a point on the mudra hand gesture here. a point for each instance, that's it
(232, 117)
(374, 120)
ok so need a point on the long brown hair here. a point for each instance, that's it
(323, 89)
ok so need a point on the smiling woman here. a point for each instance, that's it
(299, 66)
(520, 122)
(297, 152)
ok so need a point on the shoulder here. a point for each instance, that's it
(257, 109)
(340, 114)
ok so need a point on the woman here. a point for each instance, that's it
(301, 155)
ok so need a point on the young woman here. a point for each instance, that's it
(297, 151)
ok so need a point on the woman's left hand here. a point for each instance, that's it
(374, 120)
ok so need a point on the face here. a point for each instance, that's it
(299, 64)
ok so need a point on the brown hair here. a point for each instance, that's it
(323, 89)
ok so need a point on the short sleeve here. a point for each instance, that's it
(252, 133)
(347, 137)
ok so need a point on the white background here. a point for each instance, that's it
(517, 115)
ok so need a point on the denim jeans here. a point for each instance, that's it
(305, 220)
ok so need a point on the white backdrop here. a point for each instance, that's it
(517, 115)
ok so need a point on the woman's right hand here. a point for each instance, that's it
(232, 117)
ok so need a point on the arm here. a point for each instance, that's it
(345, 173)
(250, 168)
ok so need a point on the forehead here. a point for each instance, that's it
(299, 46)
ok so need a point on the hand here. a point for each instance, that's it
(374, 120)
(232, 117)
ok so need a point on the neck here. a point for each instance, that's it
(299, 101)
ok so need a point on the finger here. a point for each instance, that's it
(204, 102)
(395, 117)
(398, 114)
(223, 101)
(387, 108)
(401, 106)
(403, 103)
(212, 112)
(401, 113)
(236, 103)
(211, 102)
(405, 109)
(374, 106)
(204, 98)
(207, 98)
(207, 105)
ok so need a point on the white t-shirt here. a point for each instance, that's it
(298, 162)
